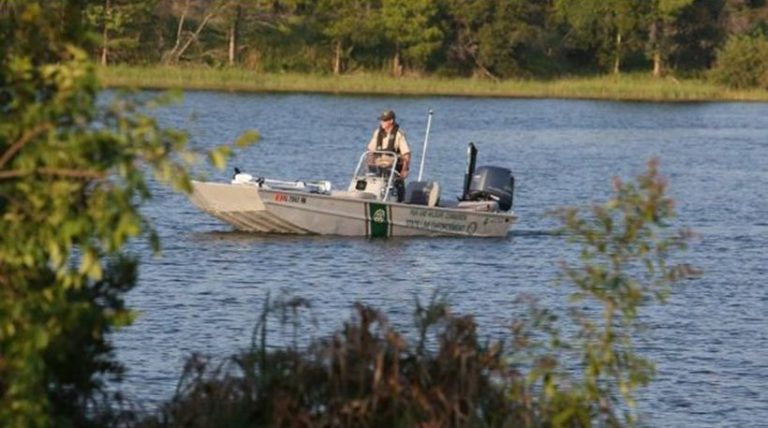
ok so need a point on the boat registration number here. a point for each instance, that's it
(293, 199)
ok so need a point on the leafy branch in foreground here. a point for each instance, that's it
(73, 176)
(370, 374)
(627, 257)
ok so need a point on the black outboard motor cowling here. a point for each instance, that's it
(492, 183)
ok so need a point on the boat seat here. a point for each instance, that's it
(422, 193)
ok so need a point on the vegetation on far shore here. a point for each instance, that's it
(622, 87)
(512, 48)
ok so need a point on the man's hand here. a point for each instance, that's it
(406, 165)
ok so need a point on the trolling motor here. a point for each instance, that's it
(487, 183)
(317, 186)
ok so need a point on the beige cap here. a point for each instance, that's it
(387, 115)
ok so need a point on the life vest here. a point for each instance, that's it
(390, 144)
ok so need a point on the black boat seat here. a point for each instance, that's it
(422, 193)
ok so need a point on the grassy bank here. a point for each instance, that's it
(625, 87)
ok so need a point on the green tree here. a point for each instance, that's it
(275, 35)
(199, 13)
(743, 62)
(348, 24)
(509, 43)
(663, 14)
(610, 27)
(499, 38)
(235, 10)
(409, 26)
(698, 32)
(120, 23)
(227, 22)
(72, 179)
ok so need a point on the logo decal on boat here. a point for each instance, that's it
(378, 217)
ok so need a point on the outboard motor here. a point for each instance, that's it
(492, 183)
(487, 183)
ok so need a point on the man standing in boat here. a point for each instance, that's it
(389, 137)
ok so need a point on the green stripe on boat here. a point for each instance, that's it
(379, 220)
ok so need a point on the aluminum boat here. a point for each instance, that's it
(368, 206)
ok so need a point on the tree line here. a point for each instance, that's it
(493, 38)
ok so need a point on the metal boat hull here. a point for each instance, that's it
(251, 208)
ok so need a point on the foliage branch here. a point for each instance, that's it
(73, 177)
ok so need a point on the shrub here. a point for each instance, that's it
(73, 177)
(743, 62)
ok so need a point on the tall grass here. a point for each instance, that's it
(638, 87)
(370, 375)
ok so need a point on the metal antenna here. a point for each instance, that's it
(424, 149)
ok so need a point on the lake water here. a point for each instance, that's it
(709, 342)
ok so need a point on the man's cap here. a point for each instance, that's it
(387, 115)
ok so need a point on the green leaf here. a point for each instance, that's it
(219, 156)
(90, 265)
(247, 139)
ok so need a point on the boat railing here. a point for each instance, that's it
(378, 163)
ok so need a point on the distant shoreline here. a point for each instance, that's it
(626, 87)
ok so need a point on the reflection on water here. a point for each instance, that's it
(205, 292)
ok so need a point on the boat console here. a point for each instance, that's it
(486, 188)
(375, 175)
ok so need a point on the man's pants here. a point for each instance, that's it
(400, 187)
